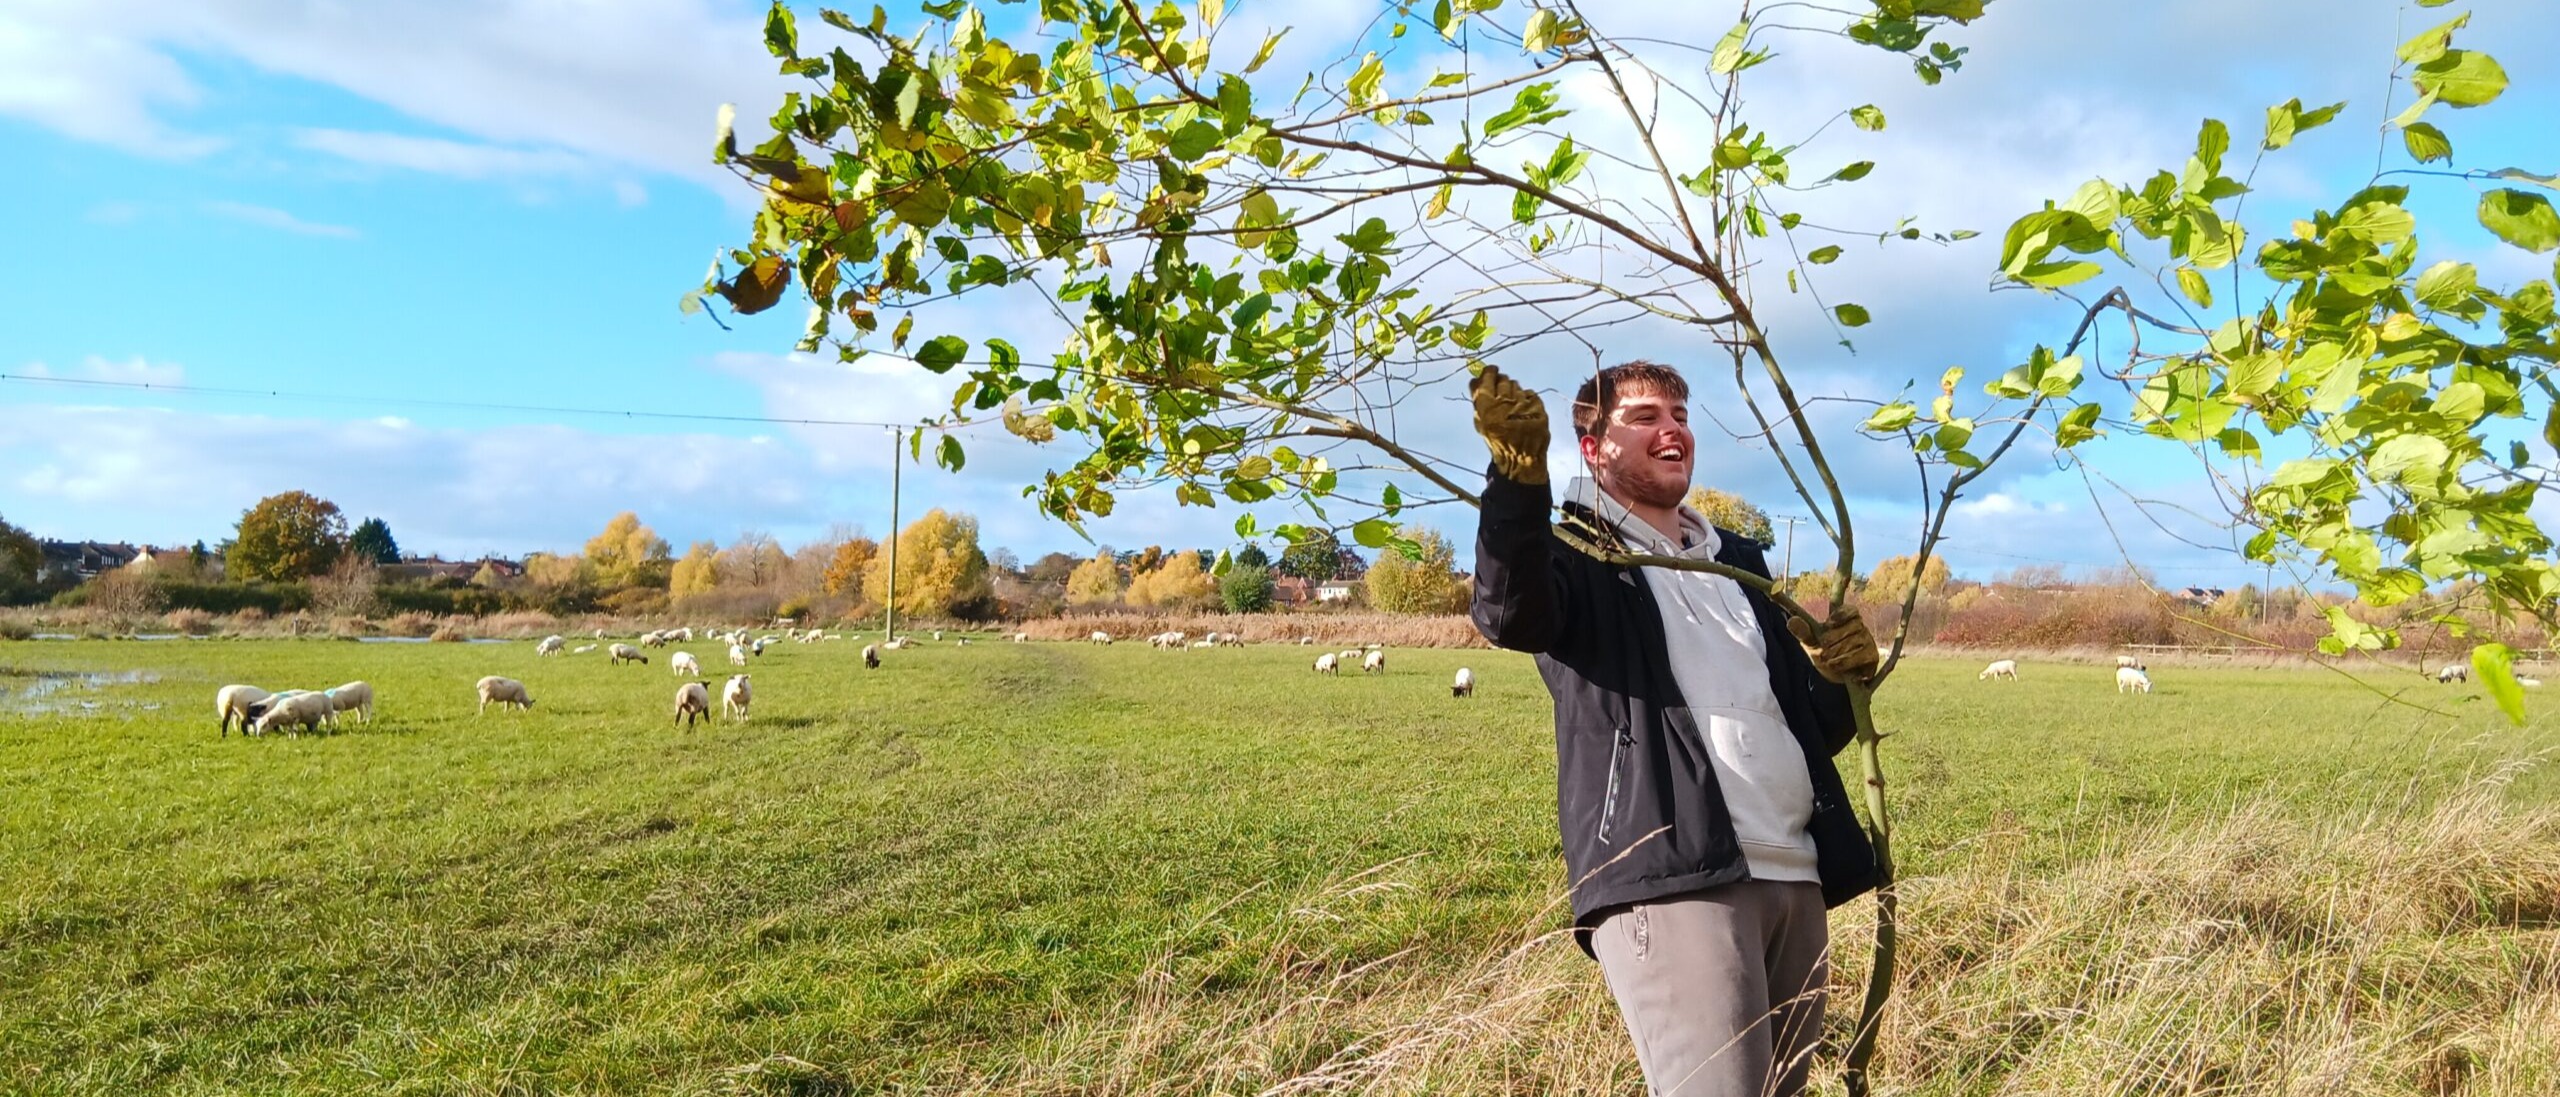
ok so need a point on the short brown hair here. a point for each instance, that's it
(1599, 395)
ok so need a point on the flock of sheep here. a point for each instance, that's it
(257, 711)
(2131, 675)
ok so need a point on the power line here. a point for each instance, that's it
(469, 405)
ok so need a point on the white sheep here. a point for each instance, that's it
(355, 697)
(2453, 672)
(1327, 663)
(1374, 663)
(2530, 683)
(626, 653)
(693, 699)
(737, 656)
(1306, 641)
(871, 656)
(652, 639)
(735, 697)
(1204, 643)
(758, 647)
(503, 692)
(599, 634)
(2132, 680)
(937, 636)
(550, 645)
(685, 634)
(232, 702)
(1464, 685)
(1100, 637)
(2004, 668)
(582, 649)
(1233, 640)
(300, 709)
(1021, 637)
(684, 664)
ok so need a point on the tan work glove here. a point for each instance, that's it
(1513, 421)
(1848, 651)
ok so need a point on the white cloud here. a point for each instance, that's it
(131, 371)
(437, 156)
(71, 67)
(269, 217)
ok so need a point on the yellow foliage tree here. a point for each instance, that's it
(852, 558)
(1177, 583)
(627, 554)
(1891, 580)
(544, 569)
(1428, 585)
(1094, 582)
(940, 567)
(697, 573)
(1725, 510)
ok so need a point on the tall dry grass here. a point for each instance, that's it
(1392, 629)
(2407, 948)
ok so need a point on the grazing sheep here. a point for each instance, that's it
(234, 701)
(550, 645)
(683, 663)
(735, 697)
(1464, 685)
(2453, 672)
(1351, 655)
(582, 649)
(1327, 663)
(1021, 637)
(871, 656)
(2530, 683)
(2004, 668)
(964, 641)
(355, 697)
(1233, 640)
(653, 639)
(693, 700)
(599, 634)
(625, 652)
(1374, 663)
(1306, 641)
(685, 634)
(937, 636)
(1100, 637)
(737, 656)
(503, 692)
(298, 709)
(2132, 680)
(1204, 643)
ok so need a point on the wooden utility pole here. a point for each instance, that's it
(897, 457)
(1787, 570)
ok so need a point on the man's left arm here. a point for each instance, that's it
(1847, 654)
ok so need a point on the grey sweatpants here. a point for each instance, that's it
(1723, 988)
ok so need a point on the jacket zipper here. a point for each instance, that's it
(1609, 802)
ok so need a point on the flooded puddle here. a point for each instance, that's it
(44, 692)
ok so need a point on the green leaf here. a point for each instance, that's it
(2057, 275)
(2405, 457)
(2432, 44)
(1851, 316)
(2521, 218)
(2461, 78)
(1728, 52)
(2426, 143)
(1867, 118)
(1891, 417)
(1535, 104)
(2079, 426)
(2191, 282)
(1373, 532)
(1852, 173)
(781, 32)
(1538, 37)
(1270, 44)
(2379, 222)
(2494, 666)
(942, 352)
(949, 455)
(2447, 285)
(1823, 255)
(1362, 88)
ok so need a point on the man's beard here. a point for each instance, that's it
(1648, 488)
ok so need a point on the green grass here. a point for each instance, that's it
(930, 877)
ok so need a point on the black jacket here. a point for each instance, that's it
(1636, 793)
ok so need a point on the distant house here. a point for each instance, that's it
(2202, 596)
(1336, 590)
(1289, 590)
(83, 560)
(181, 562)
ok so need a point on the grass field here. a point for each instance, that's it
(1058, 868)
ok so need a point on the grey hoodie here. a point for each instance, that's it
(1719, 660)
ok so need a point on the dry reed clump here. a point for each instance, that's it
(2402, 948)
(518, 625)
(412, 623)
(189, 622)
(448, 633)
(1394, 630)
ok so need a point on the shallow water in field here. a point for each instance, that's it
(61, 691)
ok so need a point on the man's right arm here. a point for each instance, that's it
(1519, 601)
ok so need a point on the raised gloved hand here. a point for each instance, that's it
(1848, 651)
(1513, 421)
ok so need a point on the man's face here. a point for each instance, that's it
(1644, 452)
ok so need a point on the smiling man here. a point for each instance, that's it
(1706, 830)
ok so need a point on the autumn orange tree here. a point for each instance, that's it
(288, 536)
(941, 570)
(1252, 273)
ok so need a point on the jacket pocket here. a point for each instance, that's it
(1618, 749)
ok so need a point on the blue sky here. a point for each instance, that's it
(501, 200)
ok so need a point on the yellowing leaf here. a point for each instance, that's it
(2191, 282)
